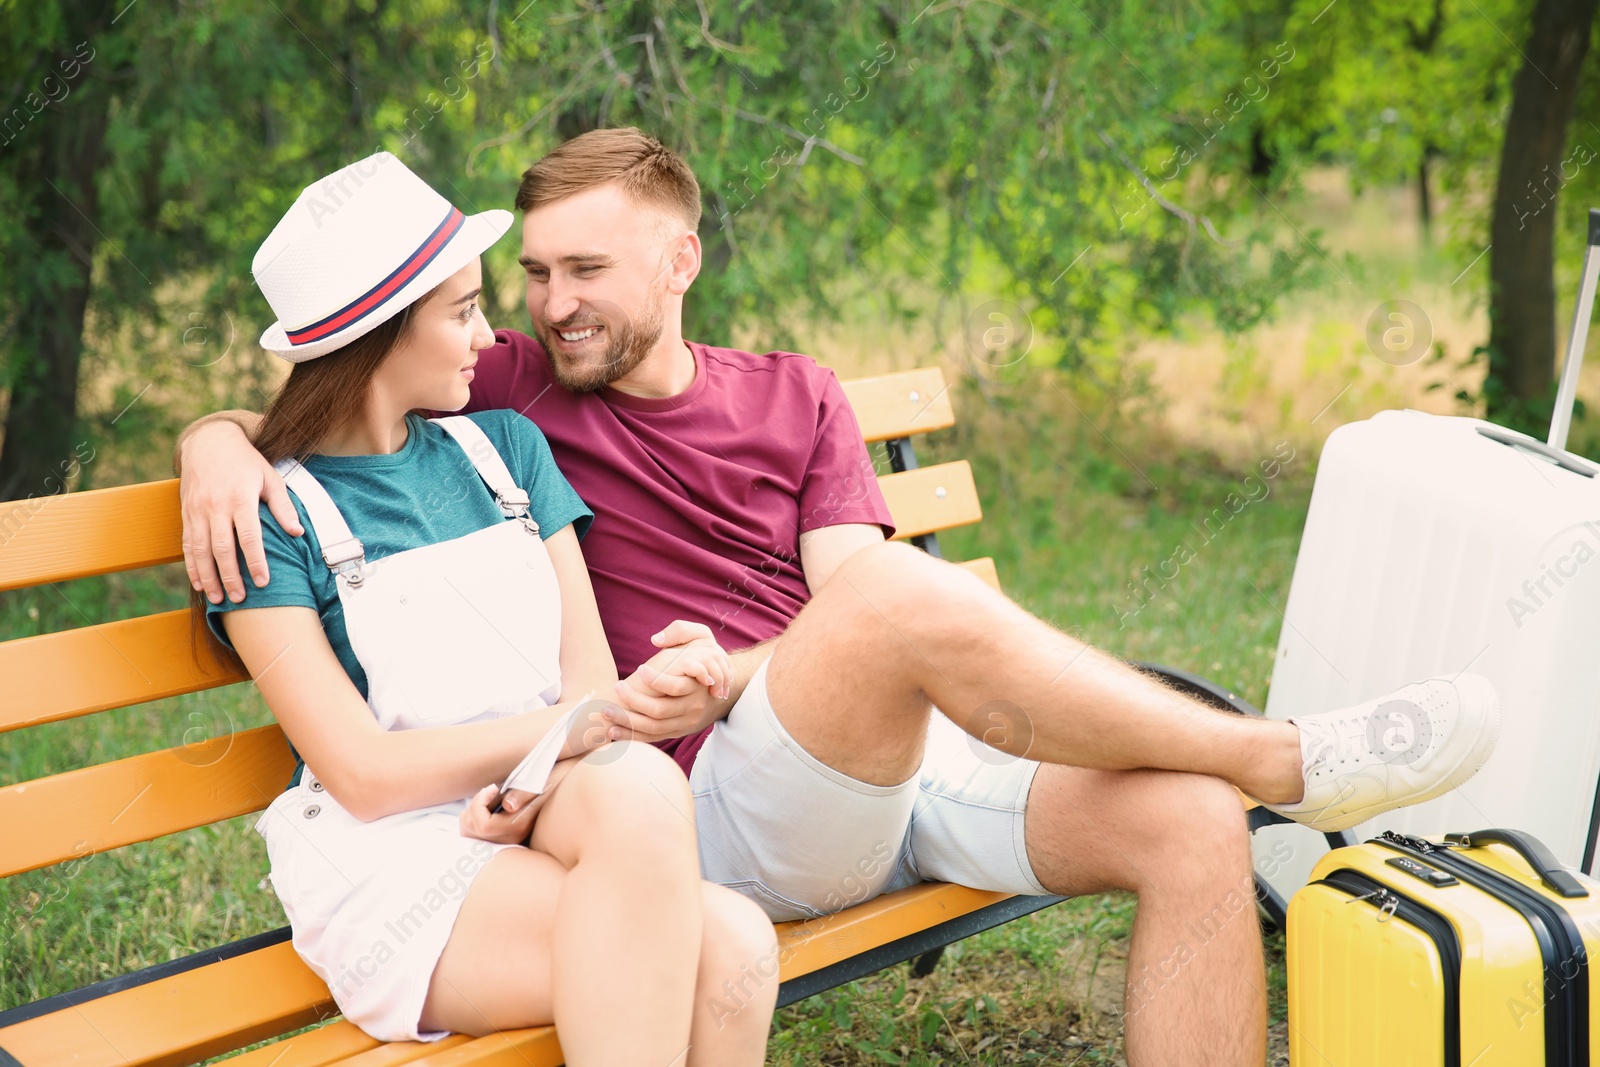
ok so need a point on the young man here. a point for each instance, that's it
(844, 759)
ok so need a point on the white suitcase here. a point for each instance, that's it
(1436, 545)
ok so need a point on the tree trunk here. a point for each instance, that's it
(1522, 298)
(63, 147)
(1424, 199)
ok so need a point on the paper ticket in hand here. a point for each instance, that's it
(533, 772)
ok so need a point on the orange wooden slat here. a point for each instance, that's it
(315, 1048)
(72, 815)
(179, 1020)
(536, 1047)
(77, 672)
(930, 499)
(398, 1052)
(901, 404)
(808, 946)
(52, 539)
(983, 568)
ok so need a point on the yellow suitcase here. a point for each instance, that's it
(1471, 952)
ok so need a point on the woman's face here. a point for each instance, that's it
(432, 367)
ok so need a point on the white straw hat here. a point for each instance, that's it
(356, 248)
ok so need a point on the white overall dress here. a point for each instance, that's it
(459, 631)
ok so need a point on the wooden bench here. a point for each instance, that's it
(256, 989)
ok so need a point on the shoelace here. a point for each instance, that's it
(1344, 738)
(1349, 739)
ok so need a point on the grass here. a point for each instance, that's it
(1082, 505)
(1037, 990)
(102, 915)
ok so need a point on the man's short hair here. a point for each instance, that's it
(652, 174)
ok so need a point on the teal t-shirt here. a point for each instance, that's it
(426, 493)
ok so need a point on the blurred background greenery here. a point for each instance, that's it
(1153, 245)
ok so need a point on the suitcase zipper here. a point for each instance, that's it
(1566, 999)
(1436, 926)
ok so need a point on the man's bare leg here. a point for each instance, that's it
(895, 632)
(1196, 988)
(855, 677)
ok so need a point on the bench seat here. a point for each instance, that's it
(187, 1010)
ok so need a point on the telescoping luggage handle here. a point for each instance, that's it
(1568, 393)
(1544, 863)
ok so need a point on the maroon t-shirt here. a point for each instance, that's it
(699, 498)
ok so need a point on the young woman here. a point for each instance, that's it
(432, 624)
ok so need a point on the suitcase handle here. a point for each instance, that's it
(1528, 444)
(1555, 877)
(1567, 392)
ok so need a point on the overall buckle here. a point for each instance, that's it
(346, 558)
(514, 505)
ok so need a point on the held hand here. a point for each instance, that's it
(223, 479)
(689, 652)
(673, 693)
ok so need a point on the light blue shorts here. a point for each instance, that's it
(804, 840)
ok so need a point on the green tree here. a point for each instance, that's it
(1533, 166)
(982, 149)
(1080, 173)
(150, 149)
(54, 127)
(1483, 95)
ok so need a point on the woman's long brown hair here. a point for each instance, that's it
(319, 396)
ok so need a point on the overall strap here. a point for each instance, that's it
(512, 499)
(341, 550)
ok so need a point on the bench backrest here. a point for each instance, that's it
(75, 813)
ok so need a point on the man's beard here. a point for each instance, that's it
(627, 346)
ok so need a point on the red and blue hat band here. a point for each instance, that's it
(371, 300)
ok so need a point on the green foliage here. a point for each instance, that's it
(1394, 84)
(916, 141)
(1529, 415)
(1051, 159)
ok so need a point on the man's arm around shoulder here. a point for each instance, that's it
(221, 481)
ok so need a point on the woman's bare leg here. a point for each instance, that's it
(612, 915)
(627, 944)
(738, 982)
(494, 973)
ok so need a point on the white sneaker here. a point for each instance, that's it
(1414, 744)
